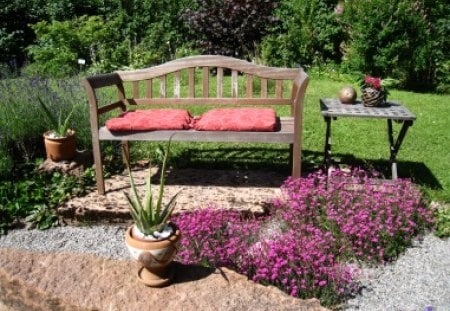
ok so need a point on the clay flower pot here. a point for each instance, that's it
(155, 256)
(60, 148)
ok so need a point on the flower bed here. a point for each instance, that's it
(307, 241)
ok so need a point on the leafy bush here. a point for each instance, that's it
(34, 197)
(403, 39)
(60, 44)
(16, 18)
(232, 28)
(443, 222)
(309, 34)
(155, 30)
(304, 242)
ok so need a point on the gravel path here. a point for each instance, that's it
(418, 279)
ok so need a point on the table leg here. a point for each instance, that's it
(327, 152)
(395, 145)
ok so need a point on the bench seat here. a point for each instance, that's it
(284, 134)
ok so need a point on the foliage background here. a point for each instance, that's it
(402, 39)
(408, 40)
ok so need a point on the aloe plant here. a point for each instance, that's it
(150, 215)
(59, 126)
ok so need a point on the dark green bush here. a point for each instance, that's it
(309, 34)
(233, 28)
(402, 39)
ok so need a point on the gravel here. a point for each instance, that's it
(418, 280)
(106, 241)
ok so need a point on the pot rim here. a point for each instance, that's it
(148, 244)
(71, 134)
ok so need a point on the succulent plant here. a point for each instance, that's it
(150, 215)
(59, 126)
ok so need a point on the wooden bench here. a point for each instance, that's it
(143, 93)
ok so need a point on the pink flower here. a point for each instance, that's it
(373, 82)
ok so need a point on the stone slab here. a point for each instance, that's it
(248, 191)
(68, 281)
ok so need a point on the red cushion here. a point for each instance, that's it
(238, 119)
(151, 120)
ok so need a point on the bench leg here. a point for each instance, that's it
(296, 161)
(98, 167)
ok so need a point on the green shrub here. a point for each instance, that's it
(309, 34)
(33, 197)
(60, 44)
(442, 215)
(402, 39)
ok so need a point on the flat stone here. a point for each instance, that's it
(249, 191)
(69, 281)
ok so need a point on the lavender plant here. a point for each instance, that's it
(22, 125)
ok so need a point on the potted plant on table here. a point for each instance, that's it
(60, 140)
(152, 240)
(373, 91)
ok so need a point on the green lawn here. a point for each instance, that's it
(424, 156)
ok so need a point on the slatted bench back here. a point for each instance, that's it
(144, 92)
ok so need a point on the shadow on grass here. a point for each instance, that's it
(418, 172)
(246, 158)
(244, 166)
(237, 167)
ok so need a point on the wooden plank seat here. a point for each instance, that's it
(289, 128)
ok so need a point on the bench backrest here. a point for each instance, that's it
(202, 92)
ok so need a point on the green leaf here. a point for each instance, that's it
(49, 114)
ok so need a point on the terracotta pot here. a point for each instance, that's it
(155, 257)
(61, 148)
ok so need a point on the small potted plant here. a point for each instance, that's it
(152, 240)
(60, 140)
(373, 92)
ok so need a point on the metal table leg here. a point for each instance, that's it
(395, 145)
(327, 152)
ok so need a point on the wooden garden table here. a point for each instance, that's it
(332, 108)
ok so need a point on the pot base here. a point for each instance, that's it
(156, 277)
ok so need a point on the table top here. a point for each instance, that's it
(332, 107)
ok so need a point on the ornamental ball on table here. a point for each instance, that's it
(347, 95)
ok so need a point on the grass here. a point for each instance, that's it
(423, 157)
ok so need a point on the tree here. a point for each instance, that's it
(232, 27)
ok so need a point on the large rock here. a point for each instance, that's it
(248, 191)
(63, 281)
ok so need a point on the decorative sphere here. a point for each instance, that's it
(347, 95)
